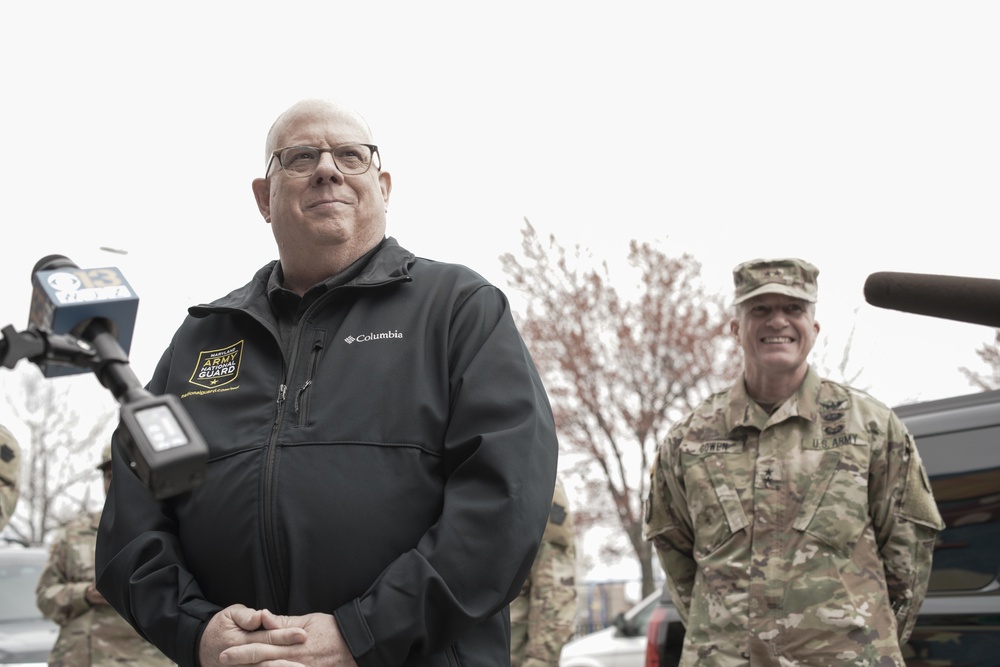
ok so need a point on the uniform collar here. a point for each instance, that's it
(744, 411)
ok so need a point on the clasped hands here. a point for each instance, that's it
(239, 635)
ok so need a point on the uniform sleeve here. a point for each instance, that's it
(906, 521)
(500, 468)
(552, 592)
(10, 465)
(58, 598)
(668, 524)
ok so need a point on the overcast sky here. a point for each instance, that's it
(861, 136)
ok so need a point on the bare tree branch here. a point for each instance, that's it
(619, 367)
(60, 454)
(990, 354)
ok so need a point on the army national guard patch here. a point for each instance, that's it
(217, 368)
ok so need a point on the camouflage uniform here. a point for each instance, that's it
(90, 635)
(10, 464)
(803, 537)
(543, 615)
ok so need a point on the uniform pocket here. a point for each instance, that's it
(835, 507)
(712, 492)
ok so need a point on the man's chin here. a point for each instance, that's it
(780, 363)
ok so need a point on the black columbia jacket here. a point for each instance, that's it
(394, 467)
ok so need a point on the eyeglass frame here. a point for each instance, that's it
(372, 147)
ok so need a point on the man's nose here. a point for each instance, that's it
(326, 169)
(777, 320)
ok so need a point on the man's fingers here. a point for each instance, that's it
(282, 636)
(271, 621)
(246, 618)
(261, 653)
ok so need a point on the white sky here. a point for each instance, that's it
(862, 136)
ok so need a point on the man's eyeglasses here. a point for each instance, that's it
(302, 161)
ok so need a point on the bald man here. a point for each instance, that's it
(382, 451)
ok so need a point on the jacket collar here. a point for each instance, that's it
(390, 263)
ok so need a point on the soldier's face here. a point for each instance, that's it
(776, 332)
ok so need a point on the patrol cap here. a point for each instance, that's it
(105, 457)
(790, 276)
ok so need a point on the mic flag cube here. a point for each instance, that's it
(64, 300)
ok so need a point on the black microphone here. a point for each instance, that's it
(98, 307)
(973, 300)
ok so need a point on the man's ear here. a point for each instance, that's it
(262, 193)
(385, 185)
(734, 328)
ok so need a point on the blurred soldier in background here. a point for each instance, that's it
(10, 464)
(543, 615)
(92, 633)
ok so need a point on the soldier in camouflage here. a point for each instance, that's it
(92, 633)
(792, 514)
(10, 464)
(543, 615)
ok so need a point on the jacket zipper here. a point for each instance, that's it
(278, 589)
(279, 594)
(275, 580)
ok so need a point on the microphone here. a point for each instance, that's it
(83, 320)
(972, 300)
(66, 299)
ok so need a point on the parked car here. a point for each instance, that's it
(959, 441)
(664, 635)
(622, 644)
(26, 637)
(959, 622)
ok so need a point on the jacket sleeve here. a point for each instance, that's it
(500, 465)
(906, 521)
(59, 599)
(668, 524)
(140, 563)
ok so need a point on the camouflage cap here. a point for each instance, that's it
(791, 277)
(105, 457)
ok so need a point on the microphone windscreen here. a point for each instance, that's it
(972, 300)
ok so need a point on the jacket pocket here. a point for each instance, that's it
(303, 397)
(712, 492)
(835, 507)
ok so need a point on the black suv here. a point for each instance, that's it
(959, 622)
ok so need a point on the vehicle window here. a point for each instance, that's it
(960, 451)
(641, 618)
(966, 483)
(17, 591)
(943, 641)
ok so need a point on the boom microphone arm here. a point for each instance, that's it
(41, 346)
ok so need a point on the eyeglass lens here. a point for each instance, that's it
(304, 160)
